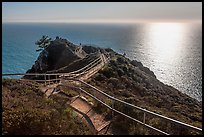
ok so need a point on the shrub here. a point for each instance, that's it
(30, 113)
(108, 72)
(113, 63)
(99, 77)
(121, 60)
(114, 81)
(125, 69)
(120, 72)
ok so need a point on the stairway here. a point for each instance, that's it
(79, 103)
(98, 120)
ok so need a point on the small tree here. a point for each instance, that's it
(43, 43)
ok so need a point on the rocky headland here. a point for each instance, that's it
(122, 78)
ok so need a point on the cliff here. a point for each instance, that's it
(132, 82)
(64, 56)
(58, 54)
(122, 78)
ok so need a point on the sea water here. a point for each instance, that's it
(173, 51)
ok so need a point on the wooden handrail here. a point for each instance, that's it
(69, 76)
(139, 108)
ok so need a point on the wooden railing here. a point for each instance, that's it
(117, 100)
(113, 100)
(96, 60)
(70, 76)
(88, 68)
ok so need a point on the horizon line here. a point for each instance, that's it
(107, 21)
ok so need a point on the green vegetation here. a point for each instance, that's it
(138, 86)
(26, 111)
(69, 92)
(43, 43)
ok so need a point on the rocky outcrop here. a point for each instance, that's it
(76, 65)
(40, 64)
(64, 56)
(122, 78)
(143, 68)
(58, 54)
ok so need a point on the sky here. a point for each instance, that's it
(101, 11)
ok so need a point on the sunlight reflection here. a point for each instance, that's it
(165, 40)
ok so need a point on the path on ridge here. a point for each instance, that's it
(80, 103)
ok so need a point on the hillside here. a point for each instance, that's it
(130, 81)
(121, 77)
(26, 111)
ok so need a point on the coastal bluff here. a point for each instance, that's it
(64, 56)
(122, 78)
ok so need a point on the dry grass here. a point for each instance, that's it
(27, 112)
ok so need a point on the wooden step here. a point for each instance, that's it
(103, 126)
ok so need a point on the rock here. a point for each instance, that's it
(140, 66)
(59, 54)
(40, 64)
(77, 64)
(148, 71)
(63, 56)
(136, 63)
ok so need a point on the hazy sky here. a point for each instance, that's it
(101, 11)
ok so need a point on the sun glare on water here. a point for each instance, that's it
(165, 40)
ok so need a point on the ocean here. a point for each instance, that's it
(173, 51)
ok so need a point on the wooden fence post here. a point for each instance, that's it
(45, 79)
